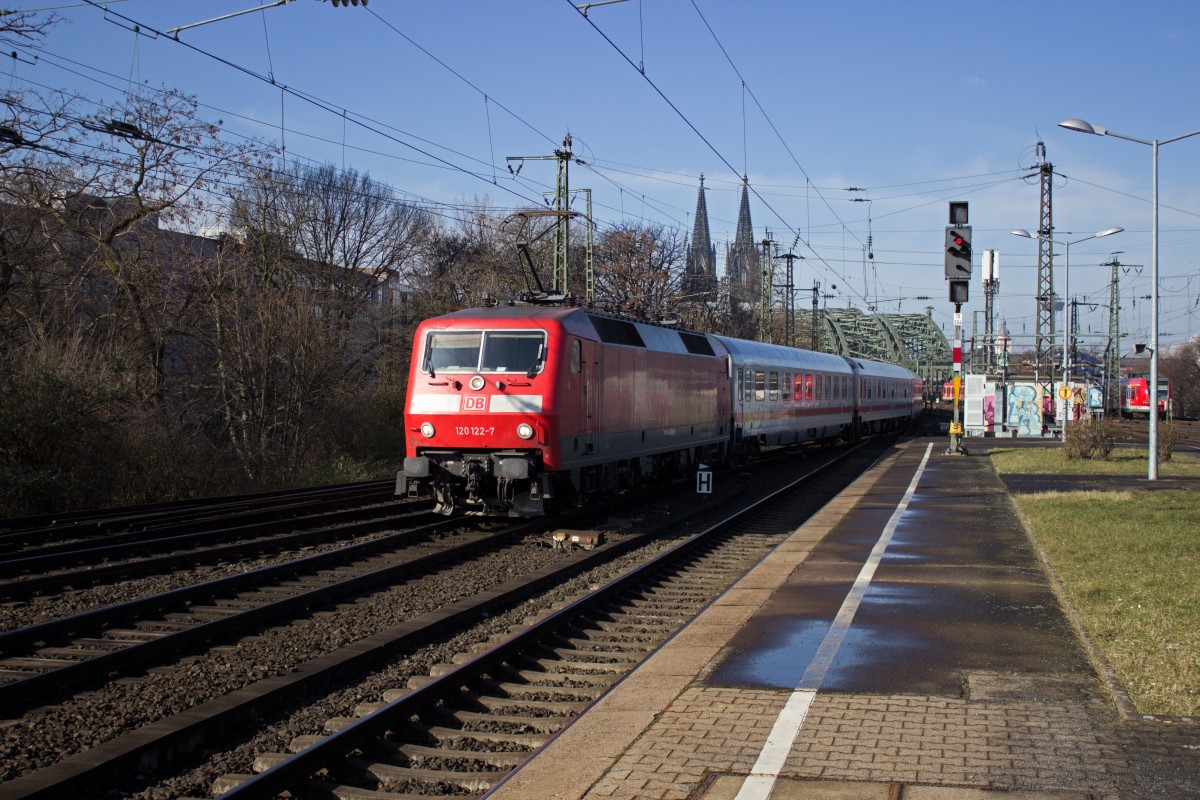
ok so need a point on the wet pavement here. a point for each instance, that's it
(958, 590)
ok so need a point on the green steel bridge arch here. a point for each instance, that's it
(913, 340)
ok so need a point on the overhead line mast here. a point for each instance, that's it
(1044, 349)
(562, 214)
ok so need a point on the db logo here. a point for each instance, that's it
(475, 403)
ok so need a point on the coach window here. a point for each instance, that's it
(749, 384)
(774, 386)
(576, 356)
(785, 385)
(828, 387)
(760, 385)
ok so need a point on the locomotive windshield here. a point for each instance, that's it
(485, 351)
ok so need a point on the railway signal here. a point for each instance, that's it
(958, 276)
(958, 252)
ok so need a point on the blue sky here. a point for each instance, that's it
(916, 103)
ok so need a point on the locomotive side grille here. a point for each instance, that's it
(617, 331)
(696, 344)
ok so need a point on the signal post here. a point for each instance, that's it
(958, 278)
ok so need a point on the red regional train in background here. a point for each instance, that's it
(510, 407)
(1135, 397)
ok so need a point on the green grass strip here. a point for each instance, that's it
(1129, 561)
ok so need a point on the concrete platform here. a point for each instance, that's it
(903, 644)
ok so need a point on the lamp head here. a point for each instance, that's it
(1022, 232)
(1109, 232)
(1082, 127)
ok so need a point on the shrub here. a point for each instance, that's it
(1090, 439)
(1168, 439)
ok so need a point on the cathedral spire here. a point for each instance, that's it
(742, 264)
(700, 275)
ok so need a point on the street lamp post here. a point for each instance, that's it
(1086, 127)
(1063, 404)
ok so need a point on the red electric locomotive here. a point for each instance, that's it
(509, 407)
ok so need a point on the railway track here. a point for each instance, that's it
(470, 724)
(84, 648)
(35, 531)
(601, 654)
(77, 566)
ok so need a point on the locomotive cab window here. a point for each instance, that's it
(576, 356)
(485, 351)
(452, 351)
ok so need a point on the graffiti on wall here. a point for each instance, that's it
(1024, 409)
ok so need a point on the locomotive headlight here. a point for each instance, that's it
(525, 430)
(427, 430)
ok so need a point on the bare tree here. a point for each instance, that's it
(18, 25)
(466, 258)
(1182, 366)
(301, 326)
(104, 207)
(267, 364)
(102, 295)
(639, 268)
(347, 232)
